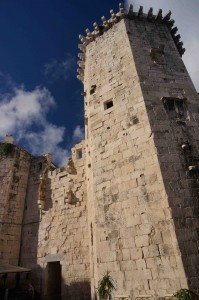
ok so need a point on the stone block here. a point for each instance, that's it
(141, 264)
(126, 254)
(142, 240)
(136, 253)
(108, 256)
(128, 265)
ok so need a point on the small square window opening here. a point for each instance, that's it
(108, 104)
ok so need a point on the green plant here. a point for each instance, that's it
(184, 294)
(105, 287)
(6, 149)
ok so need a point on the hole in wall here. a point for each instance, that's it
(108, 104)
(53, 279)
(93, 88)
(91, 234)
(175, 108)
(134, 120)
(79, 154)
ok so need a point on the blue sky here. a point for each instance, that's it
(40, 101)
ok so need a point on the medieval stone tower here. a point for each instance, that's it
(142, 155)
(128, 200)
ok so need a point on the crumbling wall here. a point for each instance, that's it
(60, 232)
(14, 170)
(32, 219)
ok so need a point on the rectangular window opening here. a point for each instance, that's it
(79, 154)
(175, 107)
(108, 104)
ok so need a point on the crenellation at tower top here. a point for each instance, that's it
(131, 15)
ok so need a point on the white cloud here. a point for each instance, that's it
(56, 70)
(78, 134)
(47, 141)
(24, 115)
(21, 109)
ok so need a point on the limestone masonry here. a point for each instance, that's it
(128, 199)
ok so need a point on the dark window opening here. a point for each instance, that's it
(157, 54)
(93, 89)
(179, 105)
(91, 234)
(169, 104)
(108, 104)
(79, 154)
(175, 107)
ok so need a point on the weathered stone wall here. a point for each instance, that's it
(32, 219)
(133, 224)
(174, 125)
(14, 170)
(59, 232)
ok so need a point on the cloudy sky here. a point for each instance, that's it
(40, 101)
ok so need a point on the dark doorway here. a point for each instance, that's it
(53, 281)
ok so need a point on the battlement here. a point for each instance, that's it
(117, 17)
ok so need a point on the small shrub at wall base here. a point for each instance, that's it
(185, 294)
(106, 287)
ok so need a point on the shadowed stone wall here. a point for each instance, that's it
(59, 231)
(14, 170)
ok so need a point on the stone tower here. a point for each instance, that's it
(142, 155)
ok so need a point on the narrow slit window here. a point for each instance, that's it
(169, 105)
(79, 154)
(180, 109)
(108, 104)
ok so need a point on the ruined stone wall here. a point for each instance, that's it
(32, 218)
(14, 170)
(132, 228)
(59, 232)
